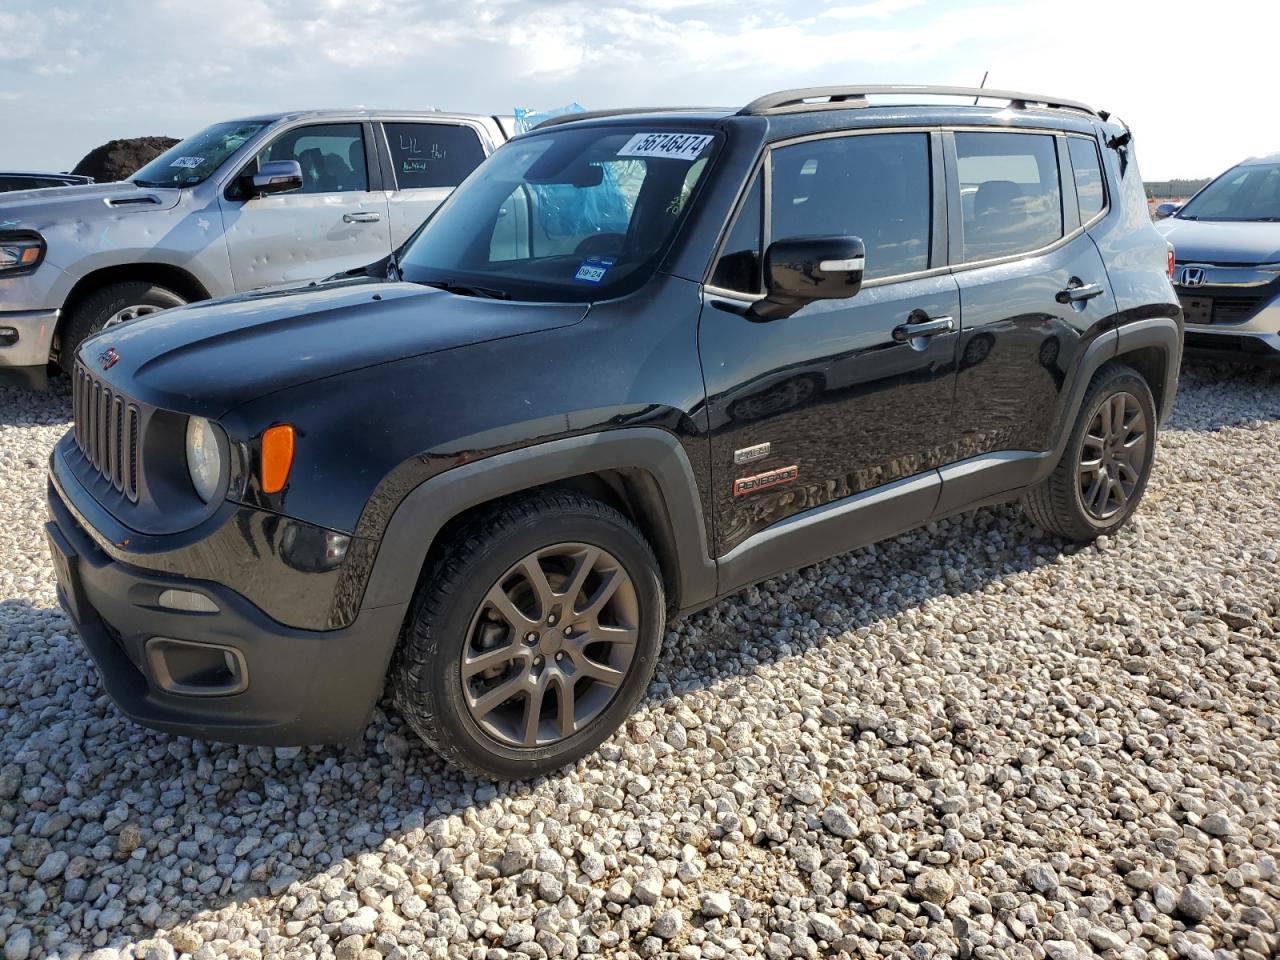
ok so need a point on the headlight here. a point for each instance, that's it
(204, 457)
(20, 252)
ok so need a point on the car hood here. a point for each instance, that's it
(1210, 241)
(39, 209)
(209, 357)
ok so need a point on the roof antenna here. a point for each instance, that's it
(982, 85)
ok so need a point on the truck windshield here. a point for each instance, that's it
(567, 215)
(195, 158)
(1250, 191)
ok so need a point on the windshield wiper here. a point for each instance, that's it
(151, 183)
(468, 290)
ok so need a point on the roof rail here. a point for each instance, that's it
(842, 98)
(616, 112)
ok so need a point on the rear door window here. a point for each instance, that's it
(873, 186)
(1087, 170)
(1009, 193)
(332, 157)
(432, 154)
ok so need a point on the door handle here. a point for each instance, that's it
(361, 217)
(1078, 292)
(923, 328)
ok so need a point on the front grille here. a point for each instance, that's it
(1236, 309)
(106, 430)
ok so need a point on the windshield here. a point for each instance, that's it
(195, 158)
(567, 215)
(1250, 191)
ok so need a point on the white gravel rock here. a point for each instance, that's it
(969, 741)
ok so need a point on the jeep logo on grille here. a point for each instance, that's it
(108, 358)
(1192, 276)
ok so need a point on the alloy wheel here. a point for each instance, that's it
(550, 645)
(1113, 456)
(131, 313)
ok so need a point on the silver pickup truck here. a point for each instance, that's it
(246, 204)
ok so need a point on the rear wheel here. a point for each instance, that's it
(532, 637)
(113, 304)
(1104, 470)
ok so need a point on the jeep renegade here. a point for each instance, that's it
(634, 363)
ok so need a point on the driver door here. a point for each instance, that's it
(337, 221)
(837, 401)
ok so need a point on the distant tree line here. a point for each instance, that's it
(1173, 189)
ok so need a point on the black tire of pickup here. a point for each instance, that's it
(92, 313)
(1057, 505)
(427, 673)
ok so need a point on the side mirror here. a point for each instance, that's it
(799, 271)
(1167, 210)
(274, 176)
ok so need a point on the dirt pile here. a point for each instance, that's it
(121, 158)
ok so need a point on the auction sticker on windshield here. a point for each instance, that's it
(670, 146)
(188, 162)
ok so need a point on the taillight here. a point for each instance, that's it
(1170, 267)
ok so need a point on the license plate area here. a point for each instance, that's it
(66, 569)
(1198, 310)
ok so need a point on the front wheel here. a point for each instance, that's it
(1104, 470)
(533, 635)
(107, 307)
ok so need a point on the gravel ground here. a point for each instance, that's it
(969, 741)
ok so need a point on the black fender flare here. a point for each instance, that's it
(420, 516)
(1164, 333)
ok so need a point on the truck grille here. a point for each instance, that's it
(106, 431)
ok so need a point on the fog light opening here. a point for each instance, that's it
(8, 336)
(196, 669)
(187, 601)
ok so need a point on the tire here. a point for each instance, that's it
(454, 614)
(1071, 501)
(96, 310)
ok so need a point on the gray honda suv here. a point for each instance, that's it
(1226, 242)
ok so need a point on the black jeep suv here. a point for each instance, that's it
(634, 363)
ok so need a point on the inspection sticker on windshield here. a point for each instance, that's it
(593, 269)
(671, 146)
(187, 162)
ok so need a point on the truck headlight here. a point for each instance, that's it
(204, 457)
(20, 252)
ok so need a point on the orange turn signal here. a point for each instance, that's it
(277, 457)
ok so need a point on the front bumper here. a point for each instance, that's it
(292, 686)
(1235, 345)
(26, 337)
(1234, 314)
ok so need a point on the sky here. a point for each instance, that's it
(1195, 82)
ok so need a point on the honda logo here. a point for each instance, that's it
(1189, 276)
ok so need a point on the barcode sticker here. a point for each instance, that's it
(670, 146)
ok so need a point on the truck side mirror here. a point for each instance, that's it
(804, 269)
(274, 176)
(1167, 210)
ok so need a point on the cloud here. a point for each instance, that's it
(82, 62)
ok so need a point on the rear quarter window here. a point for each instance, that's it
(1086, 168)
(427, 155)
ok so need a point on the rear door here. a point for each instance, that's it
(837, 399)
(338, 220)
(424, 162)
(1033, 288)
